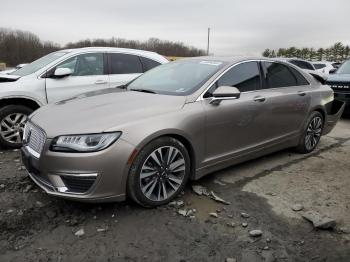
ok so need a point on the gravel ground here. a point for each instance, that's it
(37, 227)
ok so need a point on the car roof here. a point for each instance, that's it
(150, 54)
(228, 59)
(287, 59)
(322, 62)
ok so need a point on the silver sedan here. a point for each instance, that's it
(179, 121)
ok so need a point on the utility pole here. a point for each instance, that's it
(208, 41)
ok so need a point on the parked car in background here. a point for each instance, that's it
(11, 70)
(179, 121)
(323, 67)
(305, 66)
(64, 74)
(339, 81)
(336, 64)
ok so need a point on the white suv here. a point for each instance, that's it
(65, 74)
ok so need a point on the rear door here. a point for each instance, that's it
(88, 75)
(286, 95)
(123, 68)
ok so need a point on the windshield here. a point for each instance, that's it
(38, 64)
(176, 78)
(344, 69)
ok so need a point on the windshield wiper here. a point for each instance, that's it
(143, 90)
(122, 86)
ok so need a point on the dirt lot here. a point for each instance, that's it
(37, 227)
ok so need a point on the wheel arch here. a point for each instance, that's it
(180, 136)
(24, 101)
(320, 110)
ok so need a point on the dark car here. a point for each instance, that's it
(339, 81)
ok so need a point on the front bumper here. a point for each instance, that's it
(89, 177)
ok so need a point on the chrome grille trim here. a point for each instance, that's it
(34, 139)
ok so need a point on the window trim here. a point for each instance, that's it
(288, 68)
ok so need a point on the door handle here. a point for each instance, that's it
(259, 99)
(100, 82)
(301, 93)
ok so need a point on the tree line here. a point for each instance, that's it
(336, 53)
(18, 46)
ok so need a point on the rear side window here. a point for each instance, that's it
(124, 64)
(302, 64)
(279, 75)
(148, 63)
(245, 76)
(319, 66)
(301, 81)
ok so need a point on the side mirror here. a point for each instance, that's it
(332, 71)
(225, 93)
(62, 72)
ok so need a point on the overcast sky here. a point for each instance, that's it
(244, 27)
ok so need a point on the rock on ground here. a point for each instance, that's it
(319, 221)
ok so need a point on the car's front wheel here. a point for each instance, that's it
(12, 120)
(312, 133)
(159, 172)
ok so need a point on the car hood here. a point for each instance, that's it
(101, 111)
(8, 78)
(339, 78)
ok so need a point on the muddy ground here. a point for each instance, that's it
(37, 227)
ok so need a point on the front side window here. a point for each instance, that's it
(84, 64)
(279, 75)
(125, 64)
(245, 77)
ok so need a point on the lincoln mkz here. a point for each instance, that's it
(177, 122)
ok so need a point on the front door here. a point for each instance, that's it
(88, 75)
(233, 125)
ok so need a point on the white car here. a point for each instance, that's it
(324, 67)
(306, 66)
(62, 75)
(11, 70)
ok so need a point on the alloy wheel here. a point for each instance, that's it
(313, 133)
(12, 126)
(162, 173)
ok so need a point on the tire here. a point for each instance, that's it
(311, 134)
(18, 114)
(148, 189)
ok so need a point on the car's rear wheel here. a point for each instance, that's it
(159, 172)
(12, 121)
(312, 133)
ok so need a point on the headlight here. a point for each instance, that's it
(84, 143)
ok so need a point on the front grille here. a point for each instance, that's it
(78, 184)
(34, 138)
(341, 86)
